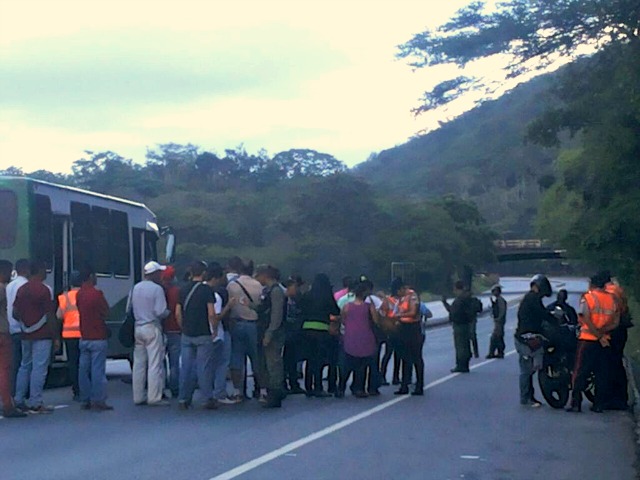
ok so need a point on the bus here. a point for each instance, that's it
(66, 228)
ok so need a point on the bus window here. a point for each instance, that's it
(81, 237)
(100, 225)
(119, 243)
(8, 219)
(42, 235)
(150, 248)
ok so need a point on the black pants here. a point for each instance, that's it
(16, 343)
(409, 341)
(320, 352)
(616, 374)
(73, 360)
(496, 344)
(384, 363)
(462, 346)
(293, 348)
(358, 366)
(590, 357)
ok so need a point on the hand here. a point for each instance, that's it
(56, 345)
(214, 334)
(233, 302)
(266, 340)
(604, 341)
(443, 299)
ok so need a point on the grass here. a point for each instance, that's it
(632, 350)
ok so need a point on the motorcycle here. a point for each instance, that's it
(560, 343)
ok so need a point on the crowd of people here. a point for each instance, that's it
(201, 333)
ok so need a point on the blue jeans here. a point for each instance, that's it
(36, 356)
(197, 356)
(222, 358)
(174, 346)
(244, 342)
(92, 376)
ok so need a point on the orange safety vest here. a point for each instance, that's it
(602, 309)
(399, 305)
(70, 314)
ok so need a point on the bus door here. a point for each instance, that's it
(144, 250)
(61, 257)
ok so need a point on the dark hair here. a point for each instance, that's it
(396, 286)
(321, 288)
(198, 268)
(599, 280)
(361, 289)
(606, 276)
(297, 279)
(37, 267)
(235, 264)
(214, 270)
(6, 268)
(563, 292)
(23, 266)
(268, 270)
(247, 268)
(459, 285)
(347, 281)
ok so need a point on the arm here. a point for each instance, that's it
(213, 319)
(179, 315)
(160, 305)
(446, 304)
(375, 316)
(502, 310)
(275, 320)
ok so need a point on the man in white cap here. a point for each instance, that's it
(149, 306)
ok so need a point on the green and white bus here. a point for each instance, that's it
(67, 228)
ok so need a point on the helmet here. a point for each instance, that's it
(543, 284)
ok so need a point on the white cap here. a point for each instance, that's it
(152, 267)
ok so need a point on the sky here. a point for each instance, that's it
(126, 75)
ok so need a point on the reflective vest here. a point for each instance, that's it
(401, 305)
(602, 309)
(70, 314)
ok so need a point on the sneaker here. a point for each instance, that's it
(402, 391)
(532, 404)
(184, 405)
(360, 394)
(14, 413)
(41, 409)
(263, 398)
(101, 407)
(22, 408)
(374, 393)
(161, 403)
(211, 405)
(459, 370)
(228, 400)
(296, 390)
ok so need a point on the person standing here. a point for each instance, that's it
(35, 310)
(318, 306)
(499, 314)
(460, 315)
(617, 374)
(359, 343)
(172, 330)
(245, 293)
(22, 273)
(222, 351)
(9, 409)
(274, 307)
(476, 309)
(68, 314)
(293, 345)
(93, 312)
(598, 315)
(528, 336)
(403, 303)
(149, 306)
(197, 318)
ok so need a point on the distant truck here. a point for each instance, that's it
(67, 227)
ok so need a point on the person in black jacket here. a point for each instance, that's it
(320, 314)
(461, 314)
(531, 314)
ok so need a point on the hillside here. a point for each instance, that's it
(480, 156)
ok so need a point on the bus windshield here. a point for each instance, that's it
(8, 219)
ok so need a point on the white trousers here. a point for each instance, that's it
(148, 365)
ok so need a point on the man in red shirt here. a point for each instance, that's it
(35, 310)
(94, 310)
(172, 330)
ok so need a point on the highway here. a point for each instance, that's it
(468, 427)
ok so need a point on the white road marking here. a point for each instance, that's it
(470, 457)
(288, 448)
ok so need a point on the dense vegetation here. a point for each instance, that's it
(300, 210)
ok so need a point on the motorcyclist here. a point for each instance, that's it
(529, 338)
(570, 315)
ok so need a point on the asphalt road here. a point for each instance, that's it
(465, 427)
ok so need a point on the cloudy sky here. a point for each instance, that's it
(125, 75)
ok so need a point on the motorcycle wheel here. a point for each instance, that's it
(590, 391)
(555, 390)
